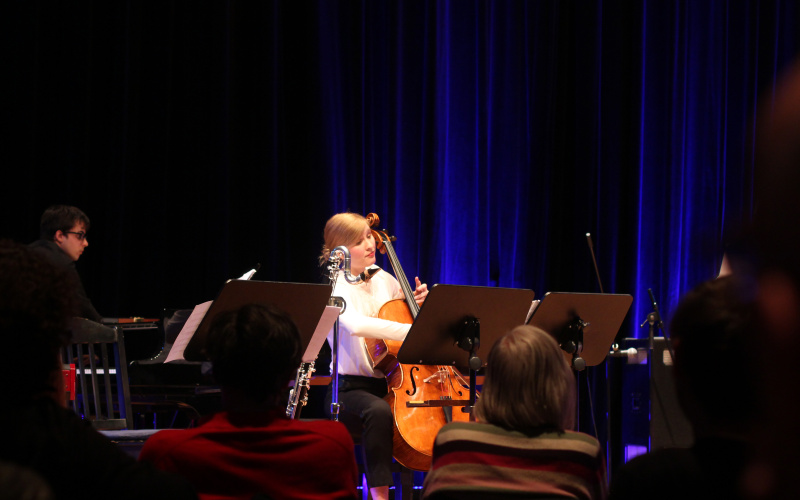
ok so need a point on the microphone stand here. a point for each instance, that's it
(336, 302)
(654, 320)
(608, 388)
(338, 260)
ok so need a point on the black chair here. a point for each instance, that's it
(100, 398)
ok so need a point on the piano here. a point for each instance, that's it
(165, 395)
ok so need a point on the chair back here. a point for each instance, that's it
(100, 398)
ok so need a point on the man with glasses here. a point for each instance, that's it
(62, 240)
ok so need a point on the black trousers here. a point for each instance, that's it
(365, 413)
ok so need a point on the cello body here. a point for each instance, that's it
(415, 428)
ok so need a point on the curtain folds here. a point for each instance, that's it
(494, 135)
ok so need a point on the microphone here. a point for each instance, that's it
(594, 261)
(340, 260)
(626, 353)
(659, 324)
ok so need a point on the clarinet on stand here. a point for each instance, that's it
(339, 260)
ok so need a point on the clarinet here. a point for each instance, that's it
(298, 396)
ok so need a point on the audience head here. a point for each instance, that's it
(344, 229)
(61, 218)
(19, 482)
(529, 384)
(35, 303)
(712, 330)
(777, 281)
(255, 351)
(777, 174)
(66, 227)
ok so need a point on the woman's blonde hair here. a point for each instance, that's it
(345, 228)
(529, 384)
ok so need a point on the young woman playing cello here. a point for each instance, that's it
(362, 388)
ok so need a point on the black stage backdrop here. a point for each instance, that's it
(204, 137)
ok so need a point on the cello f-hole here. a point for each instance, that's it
(456, 387)
(413, 383)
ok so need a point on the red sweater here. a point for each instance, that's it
(236, 455)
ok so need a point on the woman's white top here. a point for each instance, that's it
(359, 321)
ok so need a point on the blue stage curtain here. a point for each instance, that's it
(491, 136)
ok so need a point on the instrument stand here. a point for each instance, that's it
(585, 343)
(571, 342)
(470, 341)
(454, 319)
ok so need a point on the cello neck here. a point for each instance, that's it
(385, 246)
(408, 292)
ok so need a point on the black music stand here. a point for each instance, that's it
(303, 302)
(455, 321)
(584, 324)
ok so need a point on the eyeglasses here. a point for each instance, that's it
(81, 235)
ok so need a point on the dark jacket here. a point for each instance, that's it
(51, 252)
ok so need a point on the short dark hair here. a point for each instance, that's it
(712, 328)
(35, 304)
(60, 218)
(255, 348)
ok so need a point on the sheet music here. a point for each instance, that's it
(186, 333)
(249, 274)
(324, 326)
(534, 305)
(176, 353)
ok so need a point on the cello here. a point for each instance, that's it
(415, 428)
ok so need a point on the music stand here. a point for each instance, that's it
(303, 302)
(584, 324)
(455, 321)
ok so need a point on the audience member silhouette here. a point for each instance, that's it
(252, 448)
(774, 268)
(711, 331)
(22, 483)
(522, 445)
(39, 433)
